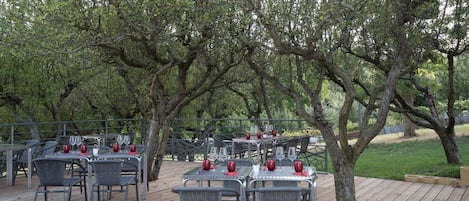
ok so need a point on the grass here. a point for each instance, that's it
(394, 160)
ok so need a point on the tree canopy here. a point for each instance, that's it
(317, 60)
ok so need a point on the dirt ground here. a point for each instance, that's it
(422, 134)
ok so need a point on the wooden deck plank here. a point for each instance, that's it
(457, 194)
(371, 189)
(365, 188)
(424, 188)
(466, 194)
(433, 192)
(386, 189)
(392, 195)
(325, 187)
(443, 195)
(412, 189)
(375, 188)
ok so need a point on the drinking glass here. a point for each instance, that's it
(298, 166)
(231, 166)
(292, 153)
(120, 140)
(126, 140)
(213, 154)
(271, 165)
(279, 154)
(206, 164)
(72, 141)
(269, 128)
(223, 154)
(66, 148)
(78, 141)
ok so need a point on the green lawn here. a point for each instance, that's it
(393, 161)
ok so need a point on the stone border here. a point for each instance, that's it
(435, 180)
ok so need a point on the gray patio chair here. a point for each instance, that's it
(304, 153)
(196, 193)
(130, 169)
(284, 162)
(276, 183)
(234, 185)
(278, 193)
(83, 172)
(2, 163)
(21, 160)
(51, 172)
(48, 148)
(109, 173)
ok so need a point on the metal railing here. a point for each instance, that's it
(54, 130)
(190, 139)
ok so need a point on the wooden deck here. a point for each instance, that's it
(170, 176)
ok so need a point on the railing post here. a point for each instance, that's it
(325, 157)
(106, 128)
(64, 129)
(142, 131)
(12, 134)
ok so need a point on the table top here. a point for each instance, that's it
(13, 147)
(254, 139)
(217, 173)
(70, 155)
(88, 156)
(284, 173)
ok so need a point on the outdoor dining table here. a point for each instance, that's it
(9, 148)
(87, 157)
(219, 173)
(266, 139)
(286, 173)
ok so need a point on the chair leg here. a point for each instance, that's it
(35, 193)
(92, 192)
(136, 190)
(69, 193)
(45, 193)
(84, 184)
(126, 192)
(15, 168)
(99, 190)
(109, 191)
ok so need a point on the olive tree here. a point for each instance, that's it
(320, 34)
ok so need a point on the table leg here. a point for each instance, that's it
(145, 175)
(30, 175)
(90, 182)
(312, 188)
(9, 167)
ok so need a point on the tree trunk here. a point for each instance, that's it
(160, 135)
(409, 127)
(448, 141)
(344, 181)
(153, 165)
